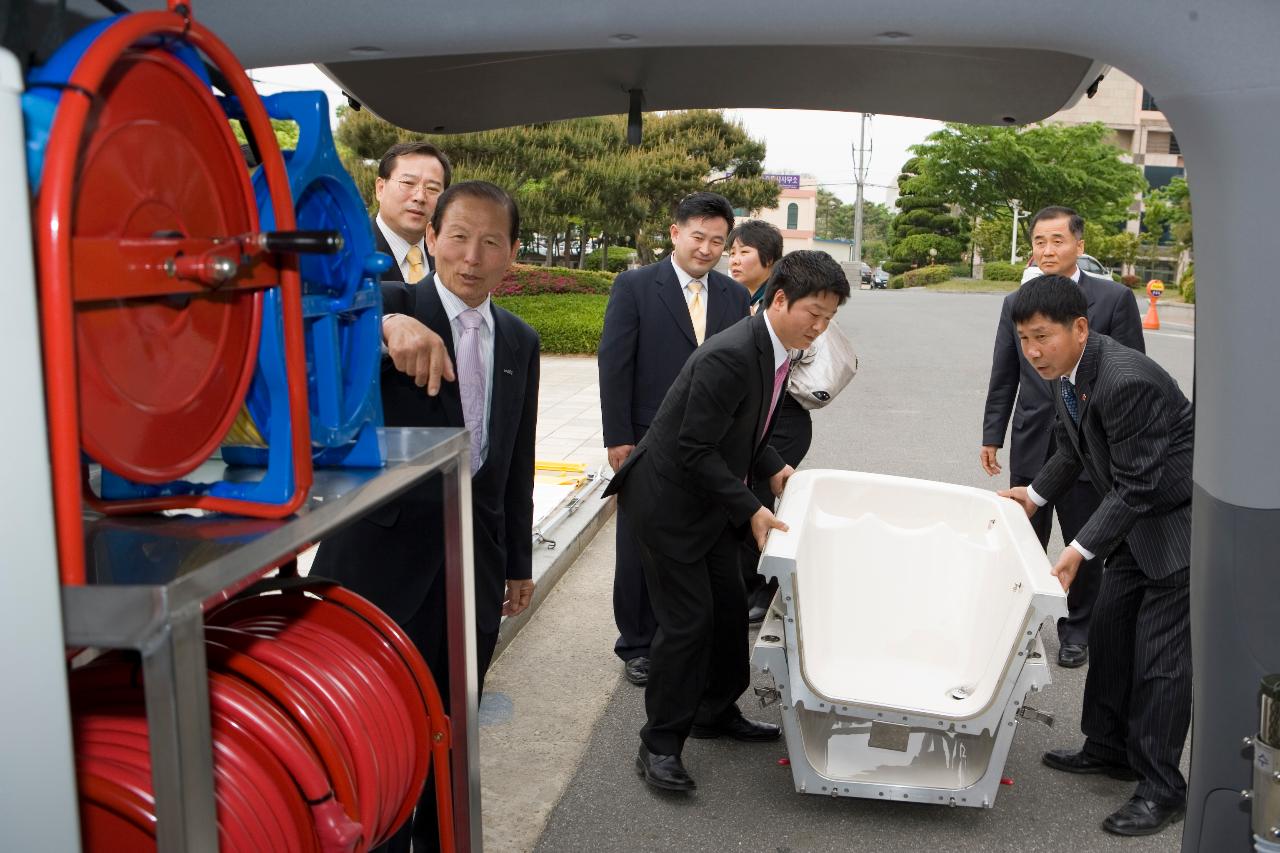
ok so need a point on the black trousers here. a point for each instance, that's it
(427, 630)
(792, 435)
(632, 612)
(1137, 696)
(1073, 510)
(698, 663)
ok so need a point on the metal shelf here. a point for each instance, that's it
(151, 578)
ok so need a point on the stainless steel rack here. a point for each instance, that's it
(151, 578)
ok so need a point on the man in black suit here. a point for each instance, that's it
(1057, 240)
(1121, 418)
(411, 177)
(688, 485)
(656, 317)
(395, 555)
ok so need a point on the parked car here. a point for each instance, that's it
(1092, 266)
(868, 275)
(880, 279)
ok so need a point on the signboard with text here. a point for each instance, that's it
(787, 182)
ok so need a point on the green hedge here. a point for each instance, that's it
(960, 270)
(530, 280)
(1001, 271)
(619, 259)
(1187, 285)
(568, 323)
(936, 274)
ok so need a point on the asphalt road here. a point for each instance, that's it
(914, 409)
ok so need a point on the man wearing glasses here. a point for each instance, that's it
(411, 176)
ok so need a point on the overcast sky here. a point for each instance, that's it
(799, 141)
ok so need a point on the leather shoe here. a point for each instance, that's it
(1142, 817)
(637, 671)
(1071, 655)
(1075, 761)
(760, 599)
(663, 771)
(756, 614)
(739, 728)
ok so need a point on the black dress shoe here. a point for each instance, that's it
(663, 771)
(1142, 817)
(637, 671)
(1075, 761)
(1071, 655)
(756, 614)
(739, 728)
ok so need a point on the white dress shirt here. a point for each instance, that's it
(453, 306)
(400, 247)
(779, 351)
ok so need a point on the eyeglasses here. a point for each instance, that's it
(428, 187)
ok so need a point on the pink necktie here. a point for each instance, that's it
(779, 380)
(471, 381)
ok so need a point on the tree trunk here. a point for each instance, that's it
(582, 246)
(604, 252)
(551, 249)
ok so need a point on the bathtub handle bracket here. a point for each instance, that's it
(1026, 712)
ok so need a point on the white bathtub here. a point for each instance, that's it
(904, 637)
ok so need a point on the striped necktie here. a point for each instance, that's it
(698, 311)
(417, 269)
(1069, 398)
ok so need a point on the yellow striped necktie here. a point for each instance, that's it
(417, 269)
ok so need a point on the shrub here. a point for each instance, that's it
(1001, 271)
(619, 259)
(960, 270)
(1187, 285)
(926, 275)
(896, 267)
(1130, 280)
(528, 280)
(898, 282)
(568, 323)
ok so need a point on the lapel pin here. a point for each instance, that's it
(508, 371)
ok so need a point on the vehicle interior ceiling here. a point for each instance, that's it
(474, 81)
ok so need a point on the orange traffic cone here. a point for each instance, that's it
(1155, 288)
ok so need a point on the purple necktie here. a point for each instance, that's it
(471, 378)
(779, 380)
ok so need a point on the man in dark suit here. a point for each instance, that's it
(1057, 240)
(411, 176)
(395, 555)
(689, 487)
(1121, 418)
(656, 317)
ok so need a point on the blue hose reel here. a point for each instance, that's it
(341, 305)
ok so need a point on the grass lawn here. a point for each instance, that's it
(568, 323)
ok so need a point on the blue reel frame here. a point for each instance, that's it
(341, 303)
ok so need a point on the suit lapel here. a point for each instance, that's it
(392, 273)
(764, 359)
(431, 313)
(1087, 373)
(508, 387)
(718, 317)
(671, 295)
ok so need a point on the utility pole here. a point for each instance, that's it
(860, 177)
(1013, 240)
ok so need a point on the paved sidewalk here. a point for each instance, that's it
(569, 411)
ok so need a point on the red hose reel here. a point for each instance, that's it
(319, 705)
(151, 272)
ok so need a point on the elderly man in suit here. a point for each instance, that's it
(1121, 418)
(689, 486)
(1057, 240)
(394, 556)
(656, 317)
